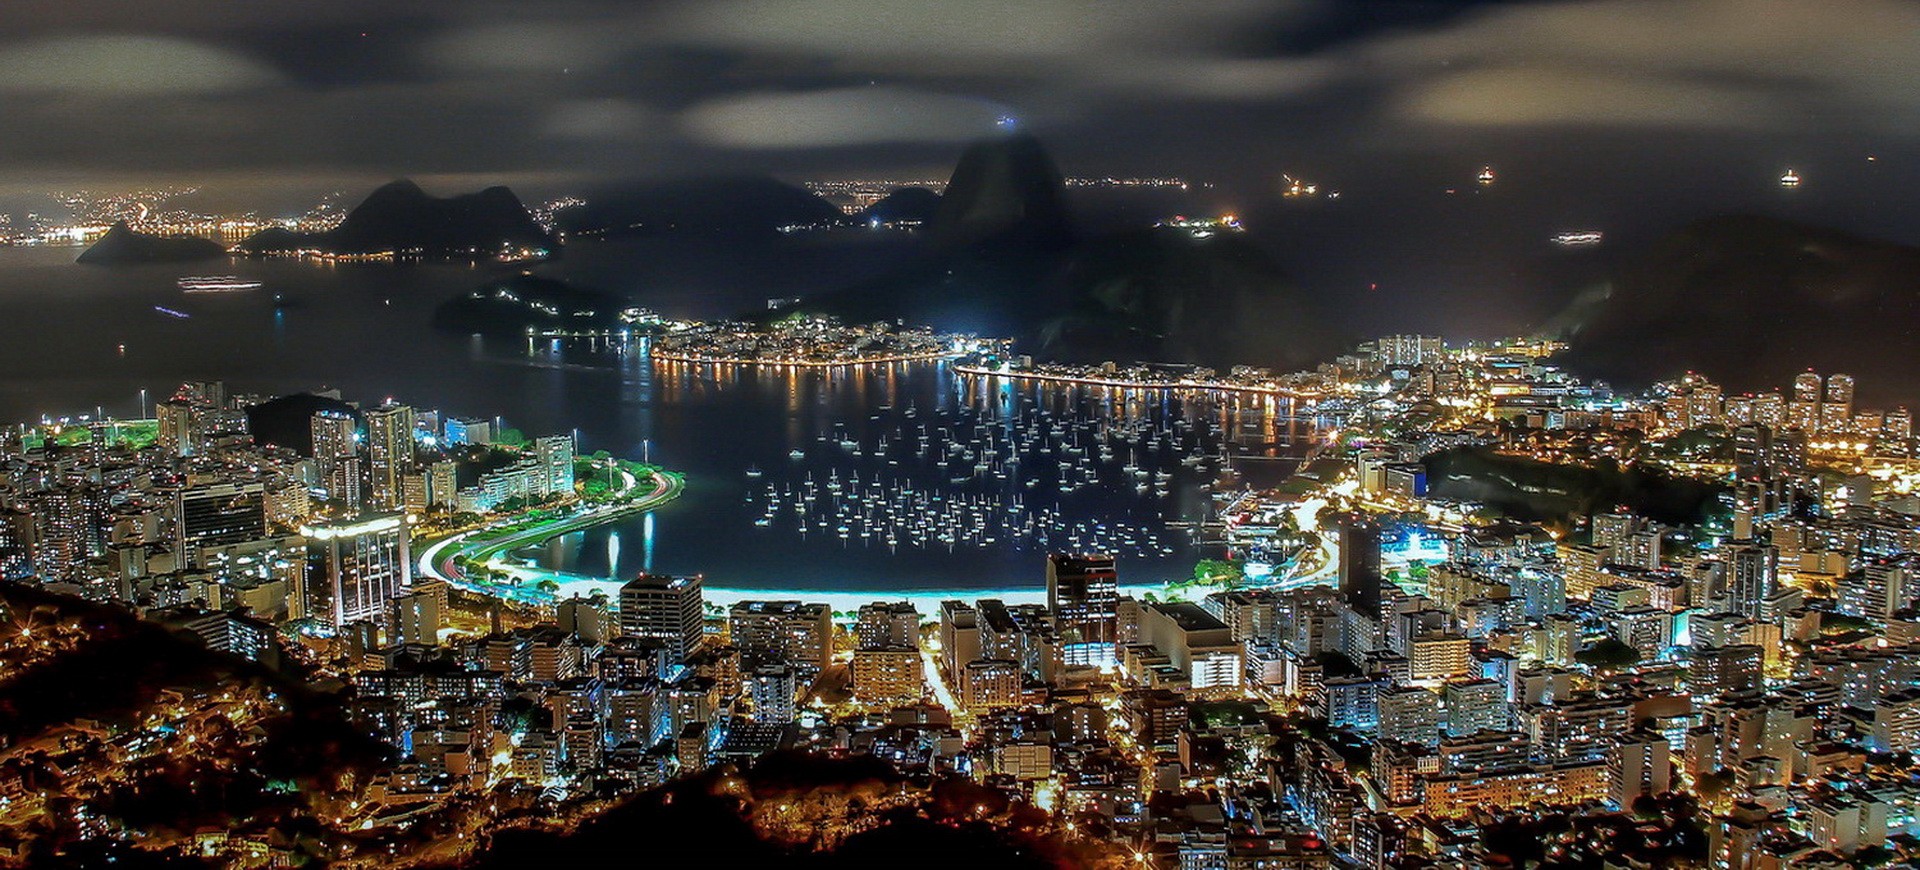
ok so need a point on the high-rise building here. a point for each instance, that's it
(1473, 706)
(1408, 714)
(289, 501)
(555, 454)
(16, 543)
(1638, 763)
(984, 684)
(1770, 410)
(1803, 412)
(664, 609)
(1439, 655)
(1806, 387)
(178, 427)
(468, 430)
(959, 635)
(1738, 410)
(356, 567)
(1836, 413)
(64, 534)
(1898, 423)
(211, 514)
(1717, 670)
(1704, 406)
(333, 437)
(416, 618)
(887, 623)
(1409, 350)
(1751, 569)
(389, 453)
(1083, 592)
(443, 485)
(800, 635)
(345, 483)
(585, 618)
(211, 395)
(888, 675)
(1880, 588)
(413, 491)
(1896, 722)
(772, 690)
(1360, 576)
(1194, 642)
(1753, 452)
(1649, 630)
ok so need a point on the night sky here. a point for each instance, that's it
(1619, 115)
(298, 93)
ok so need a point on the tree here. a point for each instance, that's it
(1608, 654)
(1219, 572)
(1711, 786)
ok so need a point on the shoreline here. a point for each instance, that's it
(1123, 384)
(926, 601)
(669, 356)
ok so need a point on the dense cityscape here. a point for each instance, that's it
(1714, 659)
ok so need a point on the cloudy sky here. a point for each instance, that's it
(280, 98)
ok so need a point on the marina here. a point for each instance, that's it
(1054, 469)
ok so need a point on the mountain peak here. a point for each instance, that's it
(122, 244)
(1005, 188)
(399, 187)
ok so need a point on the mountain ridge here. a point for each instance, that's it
(123, 245)
(401, 217)
(1749, 301)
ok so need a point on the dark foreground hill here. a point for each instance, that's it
(131, 727)
(287, 421)
(1750, 301)
(1535, 491)
(796, 810)
(400, 217)
(123, 245)
(1162, 294)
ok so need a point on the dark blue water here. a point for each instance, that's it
(364, 329)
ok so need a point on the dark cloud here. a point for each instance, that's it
(106, 67)
(1699, 64)
(601, 120)
(847, 116)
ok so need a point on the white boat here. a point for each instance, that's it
(216, 284)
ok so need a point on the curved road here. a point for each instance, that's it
(437, 560)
